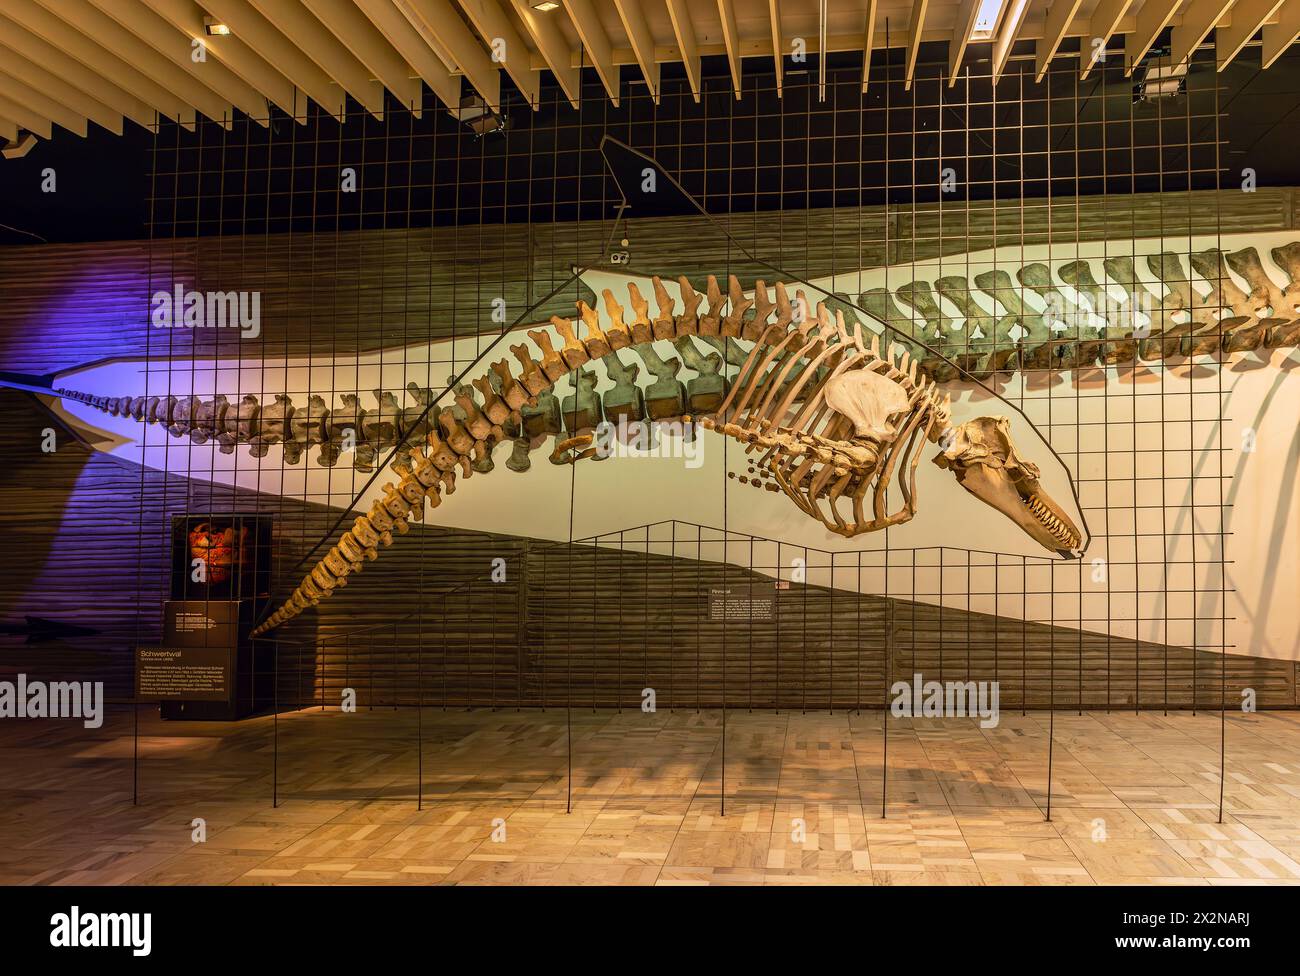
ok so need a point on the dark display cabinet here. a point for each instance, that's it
(205, 667)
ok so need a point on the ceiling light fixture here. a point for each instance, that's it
(986, 20)
(20, 147)
(1161, 81)
(215, 28)
(478, 115)
(545, 6)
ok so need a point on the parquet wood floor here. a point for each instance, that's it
(1134, 799)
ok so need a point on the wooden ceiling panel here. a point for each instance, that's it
(73, 61)
(506, 45)
(406, 41)
(95, 58)
(355, 31)
(33, 75)
(302, 28)
(263, 37)
(189, 53)
(168, 65)
(439, 21)
(188, 18)
(1281, 35)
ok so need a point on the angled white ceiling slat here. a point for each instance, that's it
(69, 62)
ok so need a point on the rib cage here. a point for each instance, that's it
(809, 448)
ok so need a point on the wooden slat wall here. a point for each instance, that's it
(595, 628)
(66, 305)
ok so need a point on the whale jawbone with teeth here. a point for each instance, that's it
(982, 456)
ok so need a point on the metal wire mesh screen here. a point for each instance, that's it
(400, 252)
(655, 614)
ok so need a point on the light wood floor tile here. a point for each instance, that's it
(1134, 799)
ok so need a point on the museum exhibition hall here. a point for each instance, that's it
(649, 443)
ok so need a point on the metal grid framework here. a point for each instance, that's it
(436, 657)
(755, 154)
(839, 626)
(1015, 148)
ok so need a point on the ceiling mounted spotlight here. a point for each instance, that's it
(215, 28)
(545, 6)
(1161, 81)
(478, 115)
(19, 147)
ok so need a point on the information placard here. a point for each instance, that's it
(200, 623)
(182, 673)
(743, 603)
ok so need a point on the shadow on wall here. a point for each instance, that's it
(41, 516)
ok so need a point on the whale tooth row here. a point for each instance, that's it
(1059, 530)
